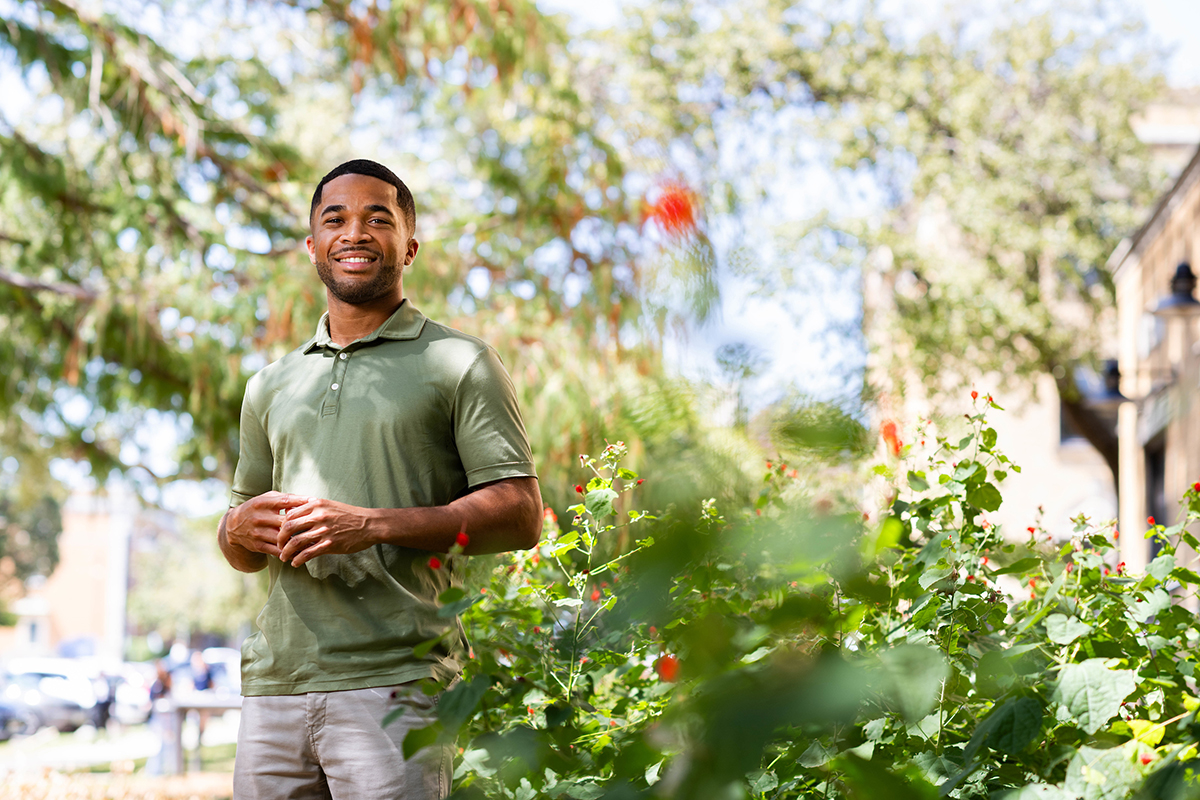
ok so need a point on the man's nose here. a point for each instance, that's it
(356, 231)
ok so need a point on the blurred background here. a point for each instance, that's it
(721, 232)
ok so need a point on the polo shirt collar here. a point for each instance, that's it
(406, 322)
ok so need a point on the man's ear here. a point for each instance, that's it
(413, 246)
(312, 252)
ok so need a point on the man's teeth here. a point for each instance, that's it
(355, 260)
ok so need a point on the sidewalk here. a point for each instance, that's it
(87, 748)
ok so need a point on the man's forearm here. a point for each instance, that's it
(502, 516)
(238, 557)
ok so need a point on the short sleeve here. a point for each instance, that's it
(488, 430)
(256, 464)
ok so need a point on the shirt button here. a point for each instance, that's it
(342, 356)
(335, 387)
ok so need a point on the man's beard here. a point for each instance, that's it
(356, 292)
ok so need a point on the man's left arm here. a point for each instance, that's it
(499, 516)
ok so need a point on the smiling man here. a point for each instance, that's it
(364, 452)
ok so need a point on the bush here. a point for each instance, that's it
(803, 648)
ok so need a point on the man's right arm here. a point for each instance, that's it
(249, 532)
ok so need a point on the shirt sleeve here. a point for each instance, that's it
(256, 464)
(488, 431)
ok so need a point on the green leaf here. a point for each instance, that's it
(422, 650)
(458, 703)
(989, 438)
(1034, 791)
(932, 575)
(763, 781)
(454, 609)
(925, 612)
(419, 738)
(573, 602)
(1062, 629)
(1147, 732)
(911, 677)
(1092, 693)
(984, 496)
(917, 482)
(1014, 725)
(1102, 774)
(599, 502)
(1161, 566)
(627, 474)
(1023, 565)
(1185, 575)
(451, 595)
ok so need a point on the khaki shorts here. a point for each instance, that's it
(332, 745)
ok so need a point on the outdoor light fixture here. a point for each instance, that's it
(1180, 302)
(1110, 397)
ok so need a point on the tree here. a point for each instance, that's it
(155, 207)
(1000, 152)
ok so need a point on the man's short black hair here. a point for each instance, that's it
(373, 169)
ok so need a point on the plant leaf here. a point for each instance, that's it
(599, 502)
(1062, 629)
(1092, 693)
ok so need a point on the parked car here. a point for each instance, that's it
(15, 720)
(50, 692)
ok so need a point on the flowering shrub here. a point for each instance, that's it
(800, 647)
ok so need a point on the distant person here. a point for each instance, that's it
(161, 722)
(365, 451)
(202, 677)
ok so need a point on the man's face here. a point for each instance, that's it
(360, 243)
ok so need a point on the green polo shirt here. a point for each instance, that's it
(415, 414)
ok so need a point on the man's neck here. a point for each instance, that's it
(348, 322)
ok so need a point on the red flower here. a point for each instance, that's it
(462, 539)
(970, 577)
(675, 210)
(595, 595)
(1030, 529)
(1196, 486)
(667, 668)
(435, 562)
(537, 629)
(974, 395)
(889, 433)
(983, 560)
(1146, 758)
(1070, 567)
(1116, 534)
(639, 481)
(653, 631)
(1149, 520)
(579, 488)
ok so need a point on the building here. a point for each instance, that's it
(1159, 353)
(80, 608)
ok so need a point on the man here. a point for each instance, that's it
(364, 452)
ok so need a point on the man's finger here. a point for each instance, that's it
(280, 501)
(311, 552)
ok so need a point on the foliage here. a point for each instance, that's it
(796, 650)
(984, 163)
(154, 211)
